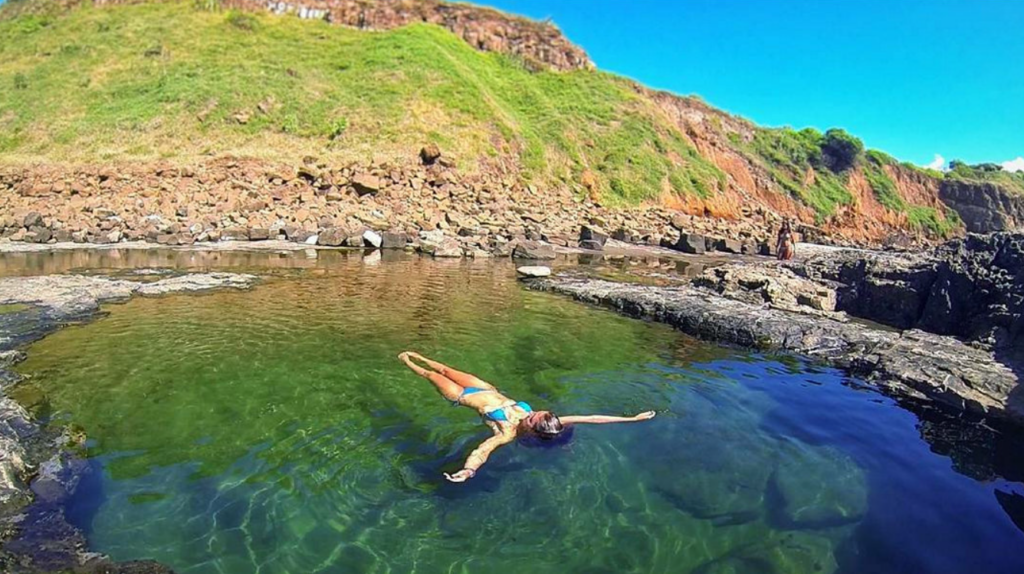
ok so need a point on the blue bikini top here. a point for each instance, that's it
(497, 415)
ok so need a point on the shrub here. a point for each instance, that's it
(20, 81)
(840, 150)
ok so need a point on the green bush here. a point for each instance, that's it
(840, 150)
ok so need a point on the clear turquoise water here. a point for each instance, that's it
(274, 431)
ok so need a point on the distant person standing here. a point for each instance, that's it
(786, 246)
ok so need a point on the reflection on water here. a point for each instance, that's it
(275, 430)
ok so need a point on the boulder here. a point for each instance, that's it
(593, 236)
(235, 234)
(768, 249)
(32, 219)
(366, 184)
(624, 235)
(38, 234)
(448, 247)
(167, 239)
(430, 154)
(680, 222)
(533, 250)
(434, 236)
(372, 238)
(505, 249)
(690, 243)
(332, 237)
(728, 246)
(819, 487)
(259, 234)
(533, 271)
(394, 240)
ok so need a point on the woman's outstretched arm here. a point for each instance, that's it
(605, 419)
(479, 456)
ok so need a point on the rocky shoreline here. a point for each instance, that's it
(38, 469)
(972, 288)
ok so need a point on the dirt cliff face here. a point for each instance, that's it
(720, 138)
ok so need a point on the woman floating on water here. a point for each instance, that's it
(507, 418)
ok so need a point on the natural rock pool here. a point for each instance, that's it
(274, 430)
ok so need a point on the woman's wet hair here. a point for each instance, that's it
(546, 427)
(547, 432)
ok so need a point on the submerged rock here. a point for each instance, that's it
(819, 487)
(777, 554)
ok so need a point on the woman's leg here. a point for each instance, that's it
(447, 387)
(460, 378)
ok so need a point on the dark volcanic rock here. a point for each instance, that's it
(971, 288)
(984, 207)
(728, 246)
(690, 243)
(593, 238)
(913, 363)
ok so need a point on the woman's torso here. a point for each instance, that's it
(495, 407)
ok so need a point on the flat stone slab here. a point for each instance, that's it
(78, 293)
(534, 271)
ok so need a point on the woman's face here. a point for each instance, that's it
(538, 418)
(534, 418)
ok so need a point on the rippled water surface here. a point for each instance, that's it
(274, 430)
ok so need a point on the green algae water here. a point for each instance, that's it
(274, 430)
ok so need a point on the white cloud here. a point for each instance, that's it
(939, 163)
(1014, 164)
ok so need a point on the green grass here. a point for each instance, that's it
(172, 81)
(989, 173)
(790, 157)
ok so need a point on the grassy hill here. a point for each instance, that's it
(175, 81)
(171, 81)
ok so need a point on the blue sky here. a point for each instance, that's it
(914, 78)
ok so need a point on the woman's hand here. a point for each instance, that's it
(644, 416)
(461, 476)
